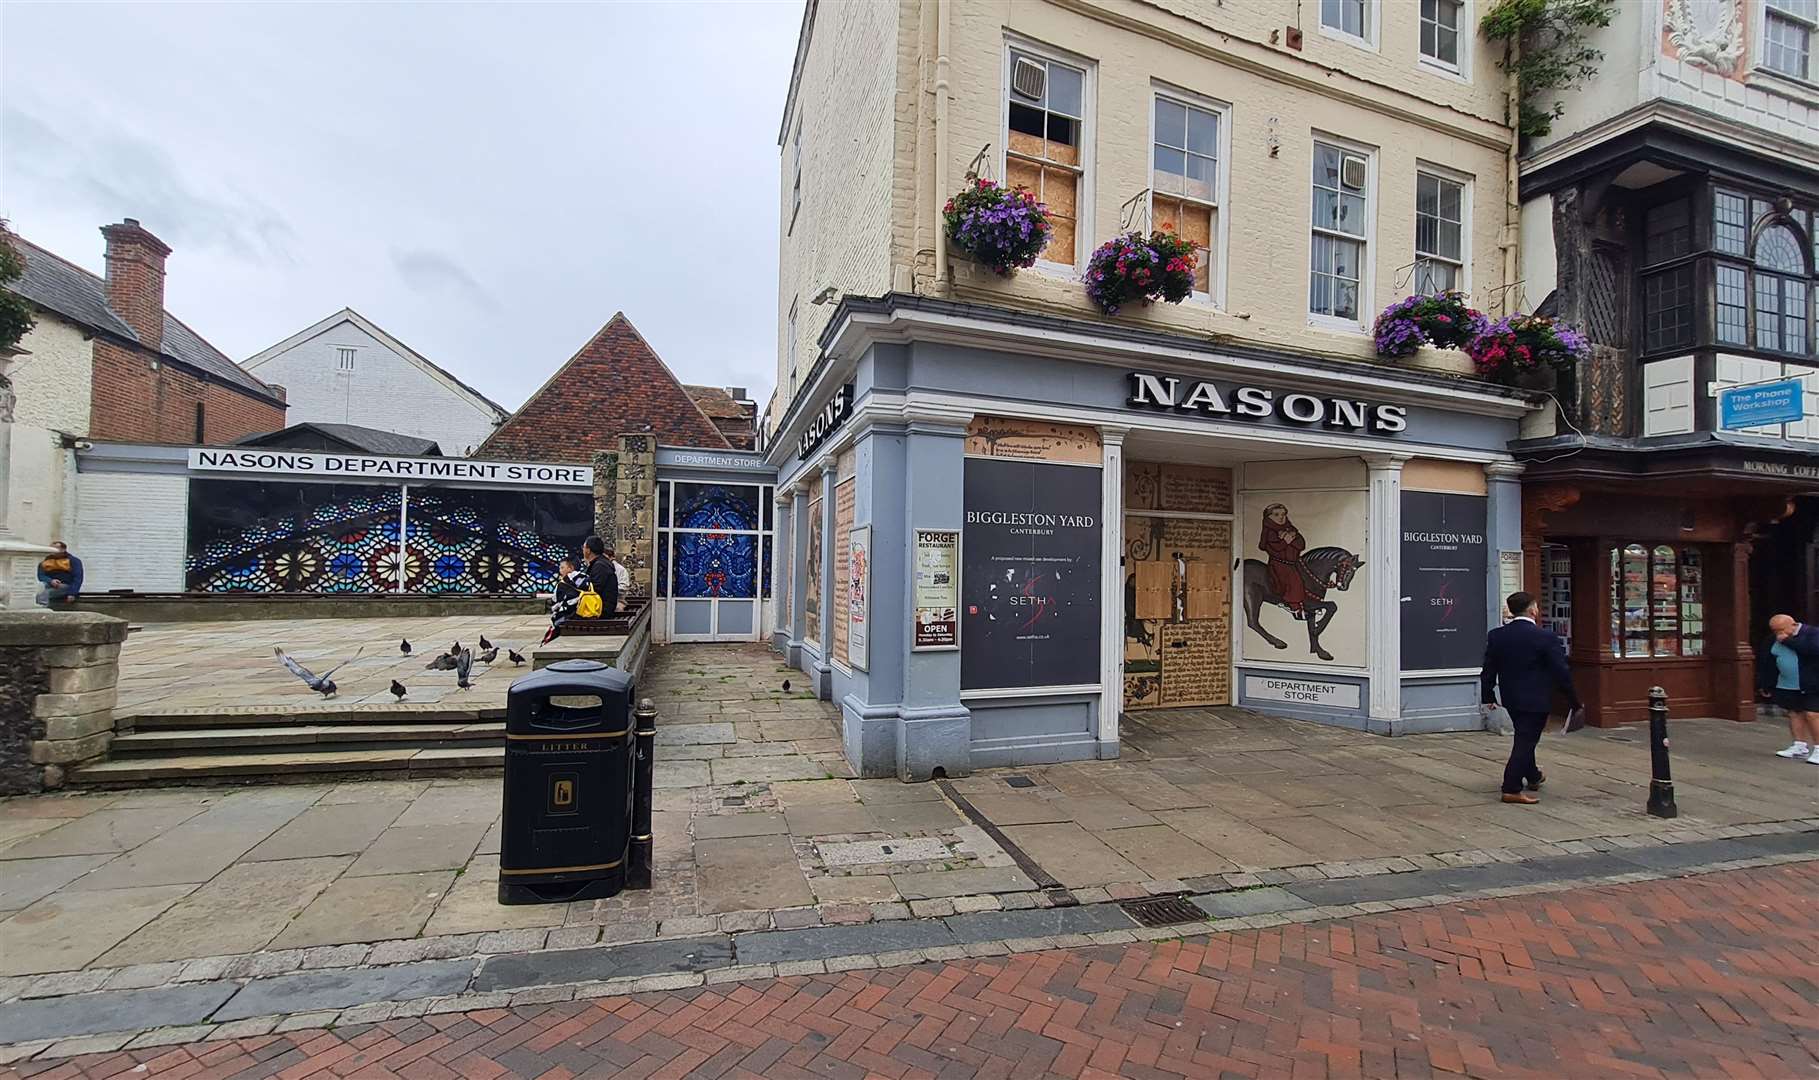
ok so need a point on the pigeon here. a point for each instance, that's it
(514, 656)
(463, 665)
(484, 644)
(322, 684)
(786, 686)
(404, 646)
(491, 654)
(441, 662)
(397, 689)
(455, 649)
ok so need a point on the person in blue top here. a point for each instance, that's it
(1789, 676)
(59, 576)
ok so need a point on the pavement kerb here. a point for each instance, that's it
(374, 1012)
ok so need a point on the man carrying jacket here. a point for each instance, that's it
(1527, 664)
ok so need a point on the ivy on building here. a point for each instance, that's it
(1546, 52)
(15, 313)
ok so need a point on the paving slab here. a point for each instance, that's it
(472, 905)
(1072, 854)
(931, 816)
(240, 911)
(853, 889)
(1237, 905)
(1233, 838)
(830, 819)
(333, 829)
(669, 775)
(401, 850)
(1038, 922)
(1004, 810)
(967, 881)
(749, 874)
(67, 930)
(116, 1010)
(880, 792)
(1161, 852)
(881, 852)
(200, 847)
(816, 793)
(462, 803)
(821, 942)
(342, 988)
(694, 954)
(26, 881)
(764, 770)
(730, 826)
(714, 734)
(101, 832)
(361, 909)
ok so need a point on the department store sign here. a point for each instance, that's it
(1170, 393)
(392, 469)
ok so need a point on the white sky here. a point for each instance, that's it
(488, 182)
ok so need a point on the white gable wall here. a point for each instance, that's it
(386, 390)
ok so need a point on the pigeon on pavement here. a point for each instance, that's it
(404, 646)
(398, 690)
(484, 644)
(441, 662)
(491, 654)
(464, 664)
(786, 686)
(514, 656)
(322, 684)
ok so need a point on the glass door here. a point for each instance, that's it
(713, 558)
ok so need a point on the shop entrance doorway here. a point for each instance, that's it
(1177, 585)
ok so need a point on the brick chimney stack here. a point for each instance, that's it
(135, 280)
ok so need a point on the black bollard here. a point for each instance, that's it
(638, 859)
(1661, 779)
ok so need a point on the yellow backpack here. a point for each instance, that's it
(591, 605)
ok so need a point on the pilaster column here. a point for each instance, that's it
(1384, 638)
(798, 583)
(1111, 593)
(1504, 532)
(782, 563)
(826, 476)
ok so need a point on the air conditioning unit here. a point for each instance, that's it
(1029, 79)
(1352, 172)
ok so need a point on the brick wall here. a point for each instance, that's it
(137, 402)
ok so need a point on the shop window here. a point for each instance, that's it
(1667, 309)
(1046, 117)
(1780, 297)
(1440, 31)
(1349, 17)
(1439, 233)
(1669, 230)
(1340, 221)
(1787, 36)
(1733, 310)
(1557, 592)
(1184, 182)
(1657, 601)
(1730, 223)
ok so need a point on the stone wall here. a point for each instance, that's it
(58, 676)
(625, 504)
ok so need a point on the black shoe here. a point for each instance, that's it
(1535, 784)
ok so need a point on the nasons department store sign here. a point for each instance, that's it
(1174, 394)
(394, 469)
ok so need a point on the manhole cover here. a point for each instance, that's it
(1019, 781)
(1163, 911)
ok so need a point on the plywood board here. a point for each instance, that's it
(1196, 663)
(1030, 440)
(1155, 584)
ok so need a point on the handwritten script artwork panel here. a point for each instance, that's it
(1029, 583)
(811, 591)
(1030, 440)
(1202, 489)
(1177, 629)
(844, 494)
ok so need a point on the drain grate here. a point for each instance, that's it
(1163, 911)
(1019, 781)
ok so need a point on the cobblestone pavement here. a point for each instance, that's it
(212, 664)
(1704, 976)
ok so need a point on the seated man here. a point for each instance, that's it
(60, 576)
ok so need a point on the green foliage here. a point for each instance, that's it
(15, 313)
(1553, 56)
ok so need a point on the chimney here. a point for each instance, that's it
(135, 280)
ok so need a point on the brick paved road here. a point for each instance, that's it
(1709, 976)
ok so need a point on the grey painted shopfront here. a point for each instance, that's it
(1000, 533)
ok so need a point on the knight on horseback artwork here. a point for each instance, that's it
(1295, 578)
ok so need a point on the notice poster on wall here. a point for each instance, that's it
(1029, 583)
(859, 597)
(1444, 560)
(811, 585)
(937, 590)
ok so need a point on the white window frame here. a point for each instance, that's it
(789, 348)
(346, 359)
(1373, 30)
(1467, 35)
(1760, 66)
(1465, 219)
(1089, 97)
(1367, 275)
(1221, 180)
(796, 168)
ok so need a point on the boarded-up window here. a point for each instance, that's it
(1047, 120)
(1185, 181)
(843, 549)
(811, 592)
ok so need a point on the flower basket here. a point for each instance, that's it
(1003, 228)
(1138, 268)
(1524, 350)
(1443, 320)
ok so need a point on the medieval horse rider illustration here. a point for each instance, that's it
(1283, 543)
(1296, 579)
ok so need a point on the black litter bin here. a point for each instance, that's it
(568, 784)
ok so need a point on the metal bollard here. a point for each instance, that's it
(638, 859)
(1661, 777)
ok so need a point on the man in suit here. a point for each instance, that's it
(1527, 664)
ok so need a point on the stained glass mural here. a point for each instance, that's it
(715, 564)
(250, 536)
(717, 506)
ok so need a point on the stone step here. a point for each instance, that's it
(260, 738)
(245, 716)
(299, 766)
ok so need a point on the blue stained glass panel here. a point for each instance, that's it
(715, 564)
(717, 506)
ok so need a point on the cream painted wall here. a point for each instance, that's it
(52, 383)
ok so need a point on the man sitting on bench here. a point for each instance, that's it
(601, 575)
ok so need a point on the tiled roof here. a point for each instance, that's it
(371, 440)
(716, 402)
(58, 285)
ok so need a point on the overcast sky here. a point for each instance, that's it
(487, 182)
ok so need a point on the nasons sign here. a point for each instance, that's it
(1171, 393)
(831, 416)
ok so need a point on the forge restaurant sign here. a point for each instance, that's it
(831, 416)
(1169, 393)
(344, 467)
(1029, 579)
(1445, 563)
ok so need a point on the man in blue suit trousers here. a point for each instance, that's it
(1527, 664)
